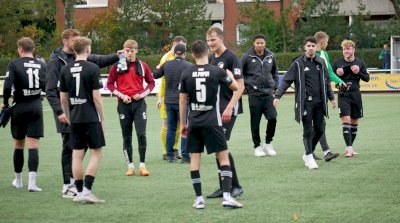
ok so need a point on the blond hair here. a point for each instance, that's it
(321, 35)
(130, 43)
(79, 44)
(216, 30)
(348, 43)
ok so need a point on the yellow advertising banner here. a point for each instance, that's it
(379, 82)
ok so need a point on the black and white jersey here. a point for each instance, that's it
(79, 79)
(27, 75)
(228, 61)
(202, 83)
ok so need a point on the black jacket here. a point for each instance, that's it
(57, 60)
(295, 74)
(260, 76)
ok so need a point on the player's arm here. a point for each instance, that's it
(52, 93)
(363, 73)
(7, 86)
(234, 86)
(157, 73)
(182, 113)
(98, 103)
(331, 73)
(275, 73)
(111, 80)
(64, 106)
(287, 80)
(103, 60)
(148, 77)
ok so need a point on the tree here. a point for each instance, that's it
(261, 19)
(396, 6)
(69, 13)
(34, 19)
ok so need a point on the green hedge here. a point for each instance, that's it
(370, 57)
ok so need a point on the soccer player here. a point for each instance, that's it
(127, 85)
(260, 73)
(230, 101)
(161, 105)
(60, 57)
(27, 75)
(351, 70)
(312, 91)
(172, 71)
(199, 90)
(322, 43)
(81, 103)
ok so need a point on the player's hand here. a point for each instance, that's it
(333, 103)
(159, 102)
(226, 115)
(230, 74)
(63, 119)
(126, 99)
(340, 71)
(276, 103)
(184, 131)
(355, 69)
(122, 51)
(136, 97)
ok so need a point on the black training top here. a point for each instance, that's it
(312, 78)
(349, 77)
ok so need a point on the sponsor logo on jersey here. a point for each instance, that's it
(29, 92)
(33, 65)
(236, 71)
(200, 107)
(269, 60)
(77, 101)
(121, 116)
(76, 69)
(306, 69)
(317, 67)
(221, 65)
(253, 61)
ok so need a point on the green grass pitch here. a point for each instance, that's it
(279, 189)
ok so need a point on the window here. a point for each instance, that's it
(91, 3)
(240, 28)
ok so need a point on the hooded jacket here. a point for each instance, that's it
(260, 75)
(296, 74)
(57, 60)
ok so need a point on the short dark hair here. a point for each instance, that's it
(259, 36)
(26, 44)
(66, 34)
(178, 39)
(310, 39)
(199, 48)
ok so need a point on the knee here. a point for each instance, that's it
(142, 139)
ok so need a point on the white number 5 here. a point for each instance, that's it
(201, 89)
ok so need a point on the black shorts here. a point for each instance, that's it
(227, 127)
(350, 104)
(27, 120)
(84, 135)
(212, 137)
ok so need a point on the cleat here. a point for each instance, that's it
(217, 193)
(172, 159)
(309, 161)
(199, 204)
(71, 192)
(130, 172)
(231, 203)
(330, 156)
(259, 152)
(88, 199)
(165, 157)
(316, 157)
(17, 184)
(236, 191)
(185, 160)
(144, 172)
(176, 154)
(34, 188)
(305, 160)
(269, 150)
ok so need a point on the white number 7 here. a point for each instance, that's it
(77, 82)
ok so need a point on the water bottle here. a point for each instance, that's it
(122, 63)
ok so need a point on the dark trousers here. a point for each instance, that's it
(313, 125)
(133, 113)
(66, 158)
(322, 141)
(262, 106)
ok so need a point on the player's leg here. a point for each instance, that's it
(255, 118)
(140, 122)
(329, 155)
(172, 120)
(318, 124)
(163, 131)
(125, 120)
(270, 114)
(69, 189)
(356, 114)
(177, 137)
(18, 162)
(308, 134)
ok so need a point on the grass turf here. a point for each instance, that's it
(278, 189)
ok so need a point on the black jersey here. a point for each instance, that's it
(349, 77)
(202, 84)
(27, 75)
(79, 79)
(228, 61)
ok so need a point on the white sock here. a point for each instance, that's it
(200, 198)
(326, 152)
(349, 149)
(72, 180)
(86, 191)
(66, 186)
(32, 178)
(227, 195)
(142, 164)
(130, 165)
(18, 177)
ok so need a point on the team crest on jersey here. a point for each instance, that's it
(269, 60)
(221, 65)
(236, 71)
(317, 67)
(253, 61)
(306, 69)
(121, 116)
